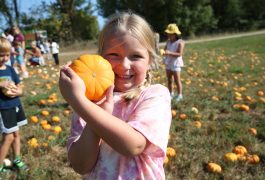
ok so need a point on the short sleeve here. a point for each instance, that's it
(77, 126)
(152, 117)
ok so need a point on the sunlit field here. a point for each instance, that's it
(223, 107)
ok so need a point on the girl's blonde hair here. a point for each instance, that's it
(5, 45)
(136, 26)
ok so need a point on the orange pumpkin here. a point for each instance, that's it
(166, 160)
(213, 167)
(34, 119)
(97, 74)
(253, 159)
(240, 150)
(171, 152)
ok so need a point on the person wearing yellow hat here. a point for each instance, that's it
(173, 59)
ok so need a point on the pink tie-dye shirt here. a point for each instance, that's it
(150, 114)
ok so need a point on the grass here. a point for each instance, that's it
(219, 68)
(214, 71)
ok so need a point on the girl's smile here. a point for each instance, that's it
(129, 60)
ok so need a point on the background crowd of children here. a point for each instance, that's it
(37, 54)
(14, 58)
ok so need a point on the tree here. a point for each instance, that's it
(191, 16)
(67, 20)
(9, 10)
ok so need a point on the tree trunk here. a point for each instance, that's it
(16, 12)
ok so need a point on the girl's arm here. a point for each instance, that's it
(87, 142)
(15, 52)
(83, 153)
(179, 51)
(29, 52)
(115, 132)
(23, 45)
(165, 48)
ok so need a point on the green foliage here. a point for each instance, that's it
(64, 21)
(85, 26)
(198, 17)
(192, 16)
(239, 14)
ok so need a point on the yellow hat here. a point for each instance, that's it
(172, 29)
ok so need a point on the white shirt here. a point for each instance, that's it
(171, 61)
(54, 48)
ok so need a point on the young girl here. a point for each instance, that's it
(173, 58)
(126, 135)
(19, 52)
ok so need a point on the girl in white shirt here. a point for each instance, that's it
(173, 59)
(55, 51)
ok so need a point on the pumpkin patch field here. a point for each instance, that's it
(217, 130)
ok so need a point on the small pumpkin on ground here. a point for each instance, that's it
(240, 150)
(232, 157)
(253, 159)
(171, 152)
(214, 168)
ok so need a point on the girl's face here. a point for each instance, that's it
(4, 57)
(172, 37)
(129, 60)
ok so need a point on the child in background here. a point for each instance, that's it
(11, 112)
(55, 51)
(8, 35)
(36, 56)
(173, 58)
(19, 52)
(18, 36)
(47, 49)
(125, 135)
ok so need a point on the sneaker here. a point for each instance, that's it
(179, 98)
(20, 165)
(25, 75)
(172, 95)
(4, 171)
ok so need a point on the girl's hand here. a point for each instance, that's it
(71, 85)
(107, 104)
(167, 52)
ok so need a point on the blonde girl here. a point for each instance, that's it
(124, 137)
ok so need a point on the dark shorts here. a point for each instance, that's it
(11, 119)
